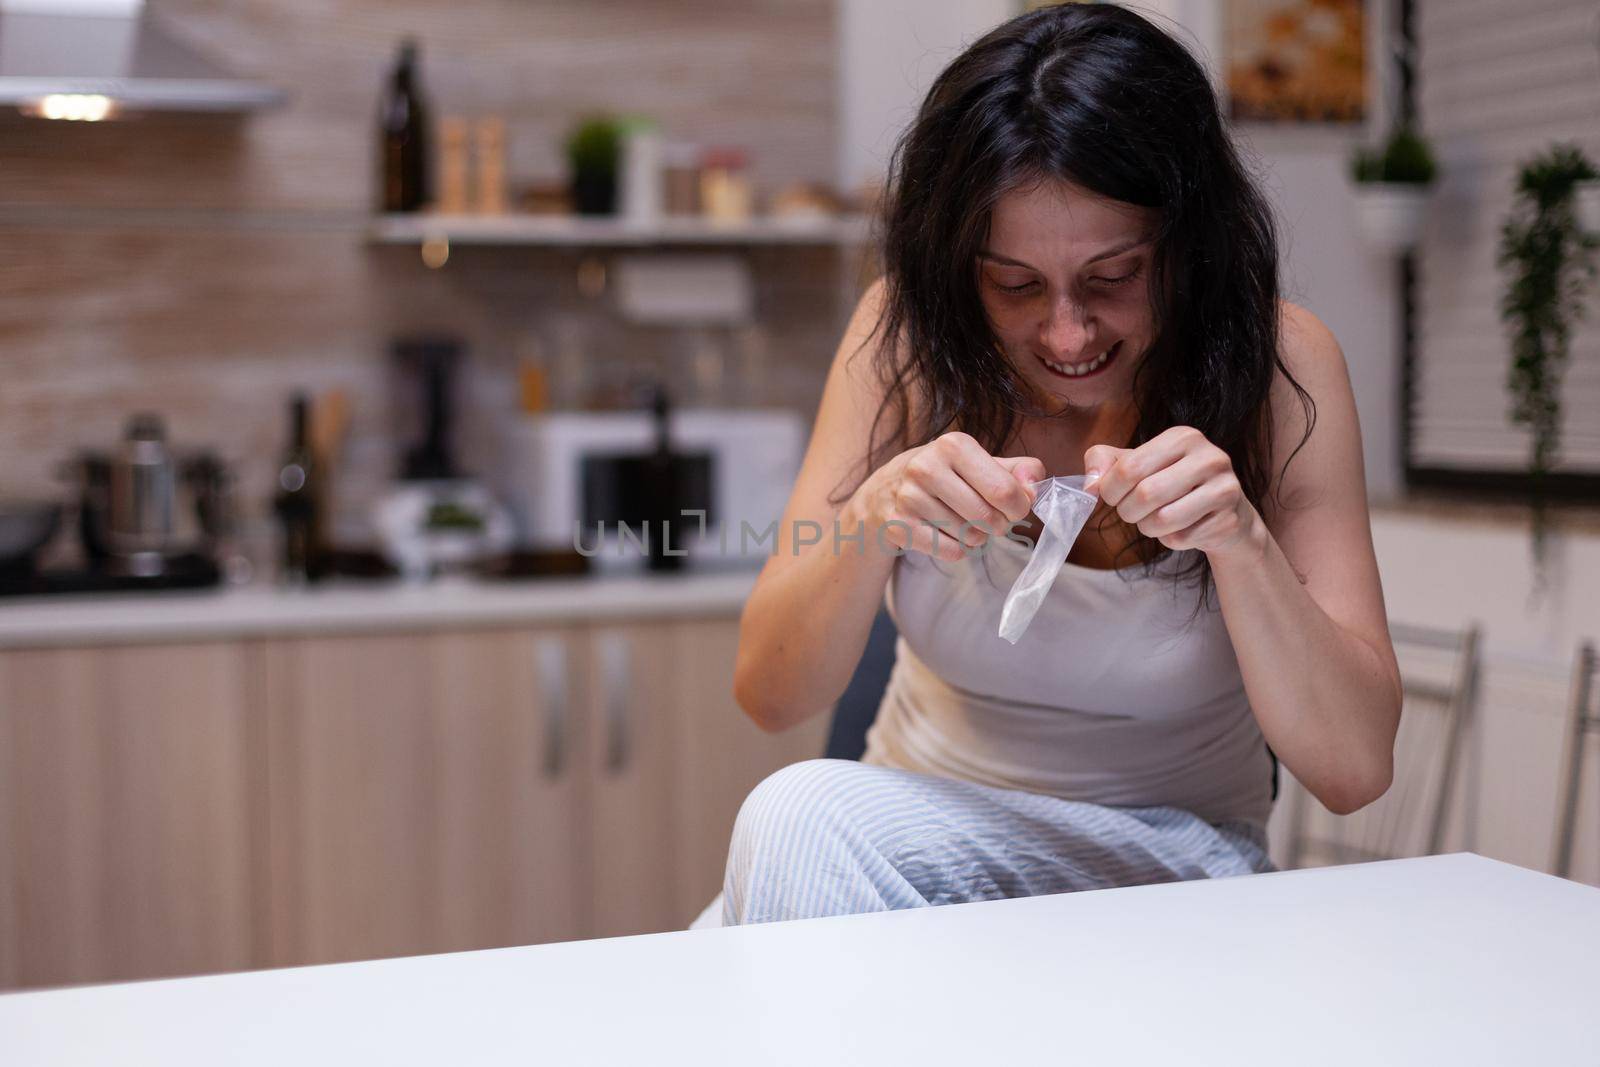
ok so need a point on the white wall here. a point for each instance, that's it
(1353, 290)
(889, 53)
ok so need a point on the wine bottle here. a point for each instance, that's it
(296, 502)
(405, 167)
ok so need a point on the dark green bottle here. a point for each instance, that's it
(405, 166)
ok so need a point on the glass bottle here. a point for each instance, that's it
(296, 502)
(405, 176)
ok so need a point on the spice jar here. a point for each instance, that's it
(489, 151)
(725, 192)
(680, 175)
(452, 165)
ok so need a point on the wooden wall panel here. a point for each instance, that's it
(757, 74)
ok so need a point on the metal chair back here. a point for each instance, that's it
(1439, 673)
(1583, 716)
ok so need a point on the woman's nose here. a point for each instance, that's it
(1068, 332)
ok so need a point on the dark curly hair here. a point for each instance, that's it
(1094, 95)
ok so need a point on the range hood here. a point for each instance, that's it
(87, 58)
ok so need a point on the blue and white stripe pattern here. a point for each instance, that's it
(836, 837)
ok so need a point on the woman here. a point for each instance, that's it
(1080, 278)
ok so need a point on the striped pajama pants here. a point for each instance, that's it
(836, 837)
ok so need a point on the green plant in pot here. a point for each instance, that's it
(1549, 262)
(1392, 189)
(1405, 160)
(594, 152)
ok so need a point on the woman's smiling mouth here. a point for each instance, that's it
(1088, 368)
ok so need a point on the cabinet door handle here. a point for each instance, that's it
(550, 655)
(614, 668)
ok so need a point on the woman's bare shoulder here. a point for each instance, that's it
(1306, 344)
(1319, 422)
(874, 364)
(854, 393)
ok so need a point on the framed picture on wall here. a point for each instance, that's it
(1296, 60)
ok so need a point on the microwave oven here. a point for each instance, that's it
(742, 463)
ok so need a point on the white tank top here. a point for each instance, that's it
(1113, 695)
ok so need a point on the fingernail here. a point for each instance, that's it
(1090, 477)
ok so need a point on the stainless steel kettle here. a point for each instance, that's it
(143, 497)
(142, 506)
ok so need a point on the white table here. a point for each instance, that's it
(1452, 959)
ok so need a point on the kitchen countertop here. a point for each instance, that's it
(361, 607)
(352, 607)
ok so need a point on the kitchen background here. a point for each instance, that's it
(259, 776)
(207, 267)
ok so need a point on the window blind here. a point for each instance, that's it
(1498, 83)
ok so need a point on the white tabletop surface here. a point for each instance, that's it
(1451, 959)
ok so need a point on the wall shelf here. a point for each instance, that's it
(566, 231)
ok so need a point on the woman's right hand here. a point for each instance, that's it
(944, 498)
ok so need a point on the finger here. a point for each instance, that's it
(933, 472)
(1134, 466)
(930, 540)
(961, 502)
(917, 505)
(1209, 499)
(1025, 469)
(1196, 533)
(957, 471)
(910, 533)
(1097, 460)
(1004, 499)
(1165, 486)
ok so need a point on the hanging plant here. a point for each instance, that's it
(1549, 260)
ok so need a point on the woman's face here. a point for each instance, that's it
(1064, 282)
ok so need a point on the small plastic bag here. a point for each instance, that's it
(1063, 507)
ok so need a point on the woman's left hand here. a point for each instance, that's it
(1178, 488)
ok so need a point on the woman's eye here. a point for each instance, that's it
(1023, 288)
(1117, 280)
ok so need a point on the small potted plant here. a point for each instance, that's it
(1392, 190)
(594, 150)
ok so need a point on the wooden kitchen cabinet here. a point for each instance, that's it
(125, 813)
(674, 758)
(630, 721)
(425, 793)
(719, 756)
(185, 808)
(462, 790)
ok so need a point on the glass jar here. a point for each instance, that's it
(680, 176)
(725, 191)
